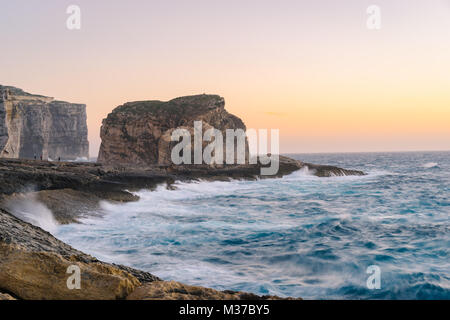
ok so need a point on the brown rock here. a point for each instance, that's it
(5, 296)
(138, 133)
(43, 275)
(33, 265)
(171, 290)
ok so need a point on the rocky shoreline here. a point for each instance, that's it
(70, 189)
(33, 263)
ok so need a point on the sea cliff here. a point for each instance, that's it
(32, 126)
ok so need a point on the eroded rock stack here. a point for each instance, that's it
(34, 126)
(139, 133)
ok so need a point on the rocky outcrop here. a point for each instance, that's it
(325, 171)
(34, 265)
(72, 190)
(172, 290)
(139, 132)
(34, 126)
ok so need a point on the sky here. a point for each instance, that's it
(312, 69)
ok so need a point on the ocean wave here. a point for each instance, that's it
(430, 165)
(28, 208)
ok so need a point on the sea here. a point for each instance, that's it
(385, 235)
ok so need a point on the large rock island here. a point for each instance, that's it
(139, 132)
(34, 126)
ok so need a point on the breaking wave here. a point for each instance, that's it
(430, 165)
(26, 207)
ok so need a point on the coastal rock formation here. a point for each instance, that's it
(324, 171)
(34, 264)
(34, 126)
(72, 190)
(172, 290)
(138, 133)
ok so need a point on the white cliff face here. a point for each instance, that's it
(32, 125)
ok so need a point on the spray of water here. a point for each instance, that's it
(28, 208)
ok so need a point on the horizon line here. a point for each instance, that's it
(347, 152)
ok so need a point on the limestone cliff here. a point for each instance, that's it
(139, 132)
(34, 125)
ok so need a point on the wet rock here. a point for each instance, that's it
(331, 171)
(71, 190)
(34, 264)
(171, 290)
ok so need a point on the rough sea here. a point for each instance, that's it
(299, 236)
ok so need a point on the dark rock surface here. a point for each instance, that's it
(325, 171)
(72, 190)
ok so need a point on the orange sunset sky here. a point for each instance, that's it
(309, 68)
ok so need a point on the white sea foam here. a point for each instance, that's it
(430, 165)
(307, 174)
